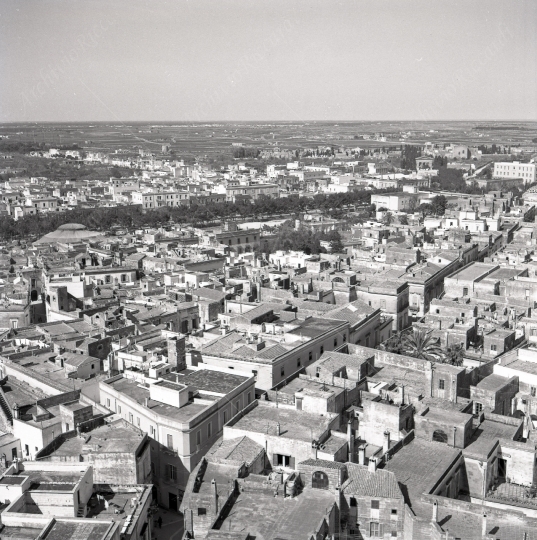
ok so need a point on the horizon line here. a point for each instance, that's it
(253, 121)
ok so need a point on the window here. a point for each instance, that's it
(107, 279)
(322, 349)
(202, 511)
(92, 366)
(375, 505)
(170, 441)
(533, 391)
(131, 418)
(335, 342)
(310, 356)
(318, 373)
(394, 511)
(353, 502)
(344, 338)
(319, 480)
(123, 277)
(119, 409)
(478, 407)
(249, 397)
(173, 472)
(282, 371)
(152, 430)
(465, 290)
(441, 384)
(394, 534)
(209, 430)
(108, 402)
(493, 347)
(138, 421)
(298, 363)
(374, 529)
(198, 437)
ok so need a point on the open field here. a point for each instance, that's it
(210, 139)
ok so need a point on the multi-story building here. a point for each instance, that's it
(515, 169)
(159, 199)
(252, 191)
(184, 414)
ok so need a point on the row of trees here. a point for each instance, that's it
(103, 219)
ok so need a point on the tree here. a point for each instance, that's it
(454, 355)
(425, 209)
(439, 204)
(387, 219)
(421, 344)
(403, 219)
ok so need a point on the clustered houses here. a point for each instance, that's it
(258, 393)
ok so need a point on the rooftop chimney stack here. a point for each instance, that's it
(484, 526)
(278, 429)
(214, 491)
(361, 455)
(386, 445)
(435, 512)
(372, 465)
(350, 441)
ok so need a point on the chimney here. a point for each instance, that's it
(372, 465)
(484, 526)
(454, 436)
(350, 441)
(214, 492)
(386, 445)
(402, 394)
(278, 429)
(146, 402)
(361, 455)
(16, 412)
(435, 512)
(223, 330)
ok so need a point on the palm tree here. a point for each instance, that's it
(421, 344)
(454, 354)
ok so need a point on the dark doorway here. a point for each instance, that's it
(172, 501)
(13, 453)
(33, 296)
(502, 468)
(440, 436)
(319, 480)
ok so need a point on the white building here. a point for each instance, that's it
(526, 171)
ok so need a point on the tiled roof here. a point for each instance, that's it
(381, 483)
(323, 464)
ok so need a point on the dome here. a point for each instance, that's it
(69, 233)
(72, 227)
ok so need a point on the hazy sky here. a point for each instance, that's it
(78, 60)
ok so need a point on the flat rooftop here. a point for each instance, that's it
(293, 424)
(118, 437)
(487, 435)
(133, 390)
(272, 518)
(419, 464)
(77, 530)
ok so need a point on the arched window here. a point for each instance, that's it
(319, 480)
(440, 436)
